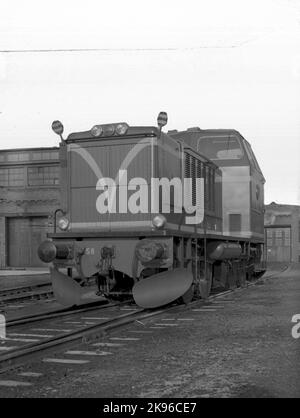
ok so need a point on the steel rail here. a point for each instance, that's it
(60, 313)
(25, 292)
(18, 289)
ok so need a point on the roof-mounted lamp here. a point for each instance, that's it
(58, 128)
(162, 120)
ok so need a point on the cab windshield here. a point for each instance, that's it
(220, 148)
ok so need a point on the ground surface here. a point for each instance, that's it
(238, 346)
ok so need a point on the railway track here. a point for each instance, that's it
(66, 327)
(36, 291)
(60, 328)
(57, 313)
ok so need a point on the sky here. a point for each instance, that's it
(212, 64)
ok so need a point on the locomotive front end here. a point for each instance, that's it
(112, 229)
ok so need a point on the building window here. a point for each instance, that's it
(12, 177)
(279, 237)
(3, 177)
(45, 155)
(269, 233)
(20, 156)
(287, 237)
(43, 176)
(37, 156)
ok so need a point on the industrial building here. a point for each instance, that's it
(29, 195)
(282, 232)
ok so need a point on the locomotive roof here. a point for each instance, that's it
(194, 133)
(132, 131)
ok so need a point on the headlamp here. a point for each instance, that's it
(63, 223)
(159, 221)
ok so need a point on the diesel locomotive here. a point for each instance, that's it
(159, 216)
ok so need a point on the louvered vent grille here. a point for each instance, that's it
(195, 168)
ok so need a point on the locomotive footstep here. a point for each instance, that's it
(162, 288)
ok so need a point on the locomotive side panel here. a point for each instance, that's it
(257, 205)
(243, 181)
(236, 201)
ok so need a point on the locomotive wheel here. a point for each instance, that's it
(204, 282)
(232, 278)
(242, 277)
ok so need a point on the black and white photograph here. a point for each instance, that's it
(149, 202)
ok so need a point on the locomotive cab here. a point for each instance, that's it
(243, 181)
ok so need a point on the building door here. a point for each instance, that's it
(278, 244)
(24, 236)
